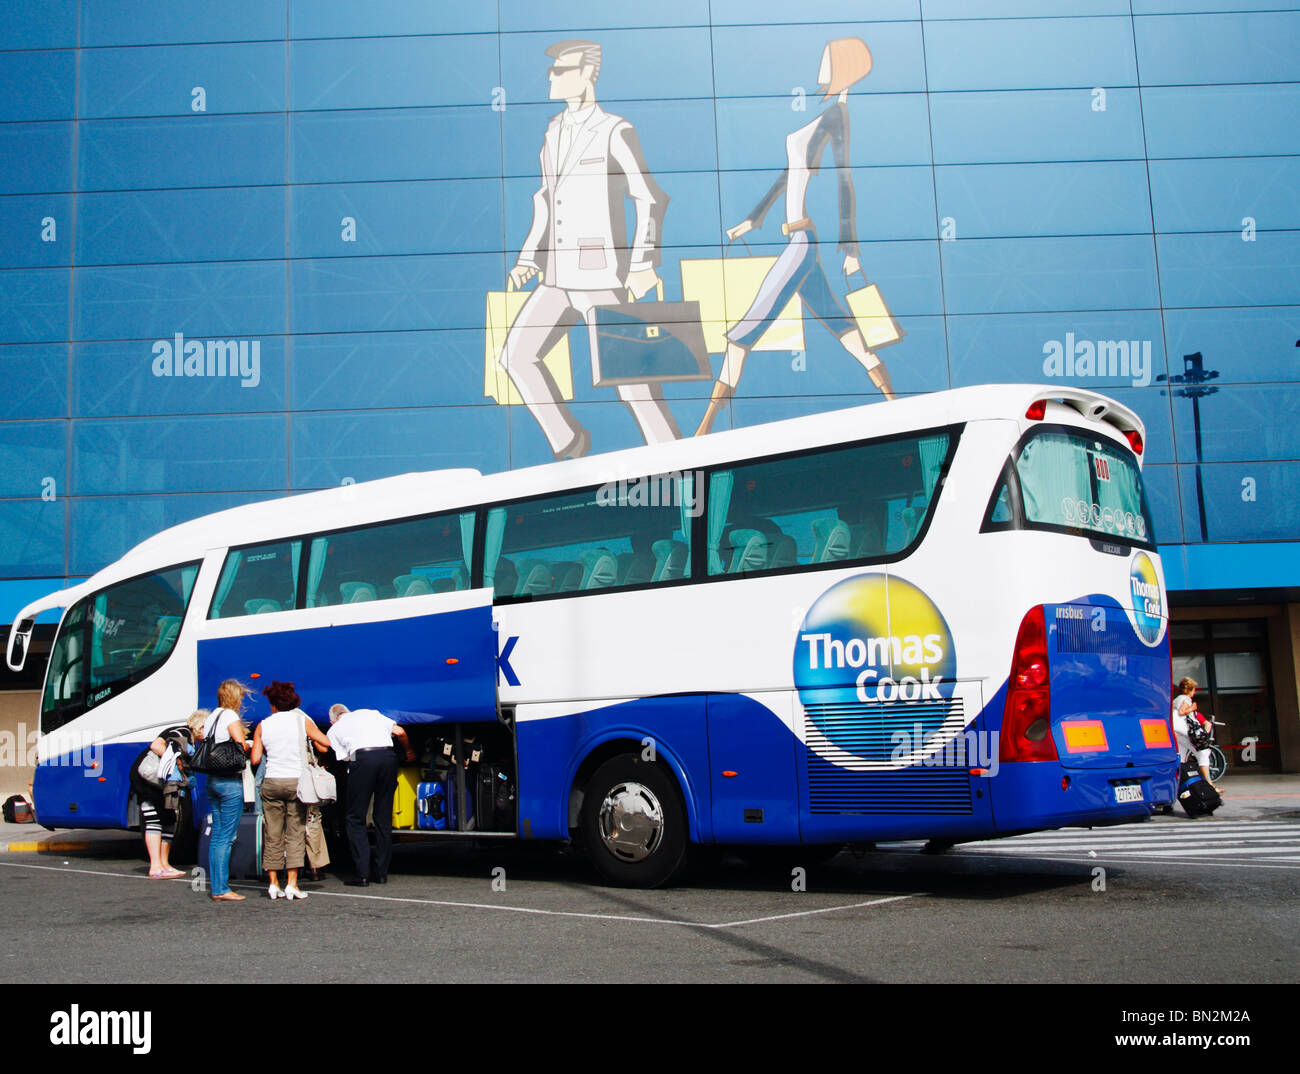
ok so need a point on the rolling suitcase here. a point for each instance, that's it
(1197, 797)
(245, 852)
(431, 806)
(408, 781)
(495, 799)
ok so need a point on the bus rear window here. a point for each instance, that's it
(1063, 480)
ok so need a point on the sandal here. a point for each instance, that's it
(166, 874)
(229, 896)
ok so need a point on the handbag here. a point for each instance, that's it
(217, 758)
(648, 342)
(315, 784)
(148, 768)
(499, 316)
(875, 322)
(725, 287)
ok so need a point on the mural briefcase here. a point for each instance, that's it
(648, 343)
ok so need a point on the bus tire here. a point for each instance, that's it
(634, 822)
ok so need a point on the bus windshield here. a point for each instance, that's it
(1065, 480)
(113, 639)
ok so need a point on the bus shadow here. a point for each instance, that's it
(884, 873)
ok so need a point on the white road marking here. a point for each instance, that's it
(505, 909)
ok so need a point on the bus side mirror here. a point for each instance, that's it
(22, 635)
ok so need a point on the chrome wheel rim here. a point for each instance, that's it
(631, 821)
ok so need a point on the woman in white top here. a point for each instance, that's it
(225, 792)
(1183, 713)
(282, 737)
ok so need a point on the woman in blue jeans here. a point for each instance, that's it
(225, 793)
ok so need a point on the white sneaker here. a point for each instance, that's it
(294, 893)
(275, 892)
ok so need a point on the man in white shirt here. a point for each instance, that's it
(364, 739)
(590, 162)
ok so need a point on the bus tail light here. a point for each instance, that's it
(1135, 441)
(1027, 717)
(1037, 410)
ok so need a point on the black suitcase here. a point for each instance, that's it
(495, 799)
(1198, 798)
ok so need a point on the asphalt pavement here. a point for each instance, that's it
(1085, 908)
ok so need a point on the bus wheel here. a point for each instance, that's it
(633, 822)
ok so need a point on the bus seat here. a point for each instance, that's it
(599, 570)
(460, 576)
(566, 576)
(670, 560)
(635, 568)
(913, 517)
(443, 585)
(357, 592)
(506, 582)
(411, 585)
(168, 627)
(534, 578)
(866, 540)
(258, 605)
(830, 540)
(784, 553)
(750, 551)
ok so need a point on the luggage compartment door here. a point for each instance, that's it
(425, 659)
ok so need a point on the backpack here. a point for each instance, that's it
(1198, 734)
(1197, 797)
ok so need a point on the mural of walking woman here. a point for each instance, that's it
(845, 61)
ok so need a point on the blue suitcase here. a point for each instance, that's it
(431, 812)
(435, 805)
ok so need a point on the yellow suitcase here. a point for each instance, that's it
(408, 776)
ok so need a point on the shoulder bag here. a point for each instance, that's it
(217, 758)
(315, 785)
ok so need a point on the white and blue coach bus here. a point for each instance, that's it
(940, 618)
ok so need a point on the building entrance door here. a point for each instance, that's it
(1228, 658)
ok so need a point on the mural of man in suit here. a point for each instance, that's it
(590, 162)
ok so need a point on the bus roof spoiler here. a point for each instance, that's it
(1095, 407)
(20, 633)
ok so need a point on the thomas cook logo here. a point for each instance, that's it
(874, 638)
(1148, 601)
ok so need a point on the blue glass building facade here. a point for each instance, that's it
(337, 187)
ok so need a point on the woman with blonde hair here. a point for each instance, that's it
(798, 270)
(162, 763)
(1184, 714)
(226, 790)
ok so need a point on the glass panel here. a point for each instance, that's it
(397, 559)
(1070, 481)
(1239, 628)
(625, 533)
(1236, 673)
(133, 628)
(257, 580)
(66, 671)
(1179, 631)
(1191, 667)
(859, 503)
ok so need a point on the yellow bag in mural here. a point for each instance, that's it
(877, 324)
(725, 288)
(502, 309)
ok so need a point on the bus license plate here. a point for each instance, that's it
(1130, 793)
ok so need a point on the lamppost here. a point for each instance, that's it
(1194, 387)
